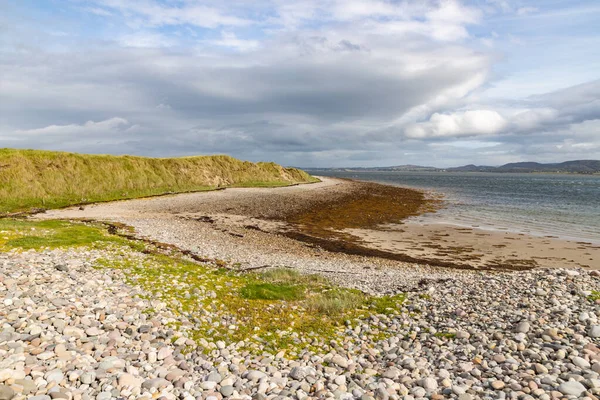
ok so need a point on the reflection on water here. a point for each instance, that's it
(567, 206)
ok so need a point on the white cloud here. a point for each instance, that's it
(87, 128)
(468, 123)
(146, 40)
(230, 40)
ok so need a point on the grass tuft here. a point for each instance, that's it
(271, 291)
(335, 302)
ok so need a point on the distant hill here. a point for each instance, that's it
(573, 167)
(567, 167)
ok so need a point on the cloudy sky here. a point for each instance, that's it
(304, 82)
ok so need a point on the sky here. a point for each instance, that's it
(310, 83)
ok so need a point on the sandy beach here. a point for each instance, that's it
(252, 227)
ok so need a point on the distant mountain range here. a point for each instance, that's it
(567, 167)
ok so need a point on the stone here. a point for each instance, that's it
(463, 335)
(594, 331)
(298, 373)
(339, 361)
(523, 327)
(429, 384)
(540, 369)
(254, 375)
(581, 362)
(87, 377)
(55, 375)
(498, 385)
(73, 331)
(572, 388)
(6, 392)
(227, 391)
(156, 383)
(93, 331)
(6, 374)
(128, 380)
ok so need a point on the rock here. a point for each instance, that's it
(572, 388)
(227, 391)
(339, 361)
(156, 383)
(254, 375)
(6, 392)
(93, 331)
(429, 384)
(594, 331)
(540, 369)
(498, 385)
(6, 374)
(581, 362)
(87, 377)
(73, 331)
(463, 335)
(297, 373)
(523, 327)
(128, 380)
(55, 375)
(164, 352)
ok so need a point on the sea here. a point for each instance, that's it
(565, 206)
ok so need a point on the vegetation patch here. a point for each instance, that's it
(33, 179)
(269, 311)
(595, 296)
(272, 291)
(30, 235)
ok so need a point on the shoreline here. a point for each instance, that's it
(256, 227)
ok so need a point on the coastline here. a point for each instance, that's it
(101, 316)
(344, 222)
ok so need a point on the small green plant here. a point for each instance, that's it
(387, 304)
(272, 291)
(447, 335)
(335, 301)
(292, 277)
(594, 296)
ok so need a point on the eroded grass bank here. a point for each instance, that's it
(45, 179)
(278, 309)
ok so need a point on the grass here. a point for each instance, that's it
(271, 291)
(32, 179)
(335, 302)
(270, 311)
(30, 235)
(595, 296)
(446, 335)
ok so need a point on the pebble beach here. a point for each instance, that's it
(73, 327)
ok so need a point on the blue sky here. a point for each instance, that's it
(308, 83)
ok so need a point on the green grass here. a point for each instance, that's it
(446, 335)
(336, 301)
(594, 296)
(28, 235)
(272, 291)
(43, 179)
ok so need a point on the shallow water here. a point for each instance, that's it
(567, 206)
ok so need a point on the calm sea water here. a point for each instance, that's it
(567, 206)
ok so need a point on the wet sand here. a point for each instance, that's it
(334, 218)
(479, 248)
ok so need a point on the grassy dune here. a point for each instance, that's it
(44, 179)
